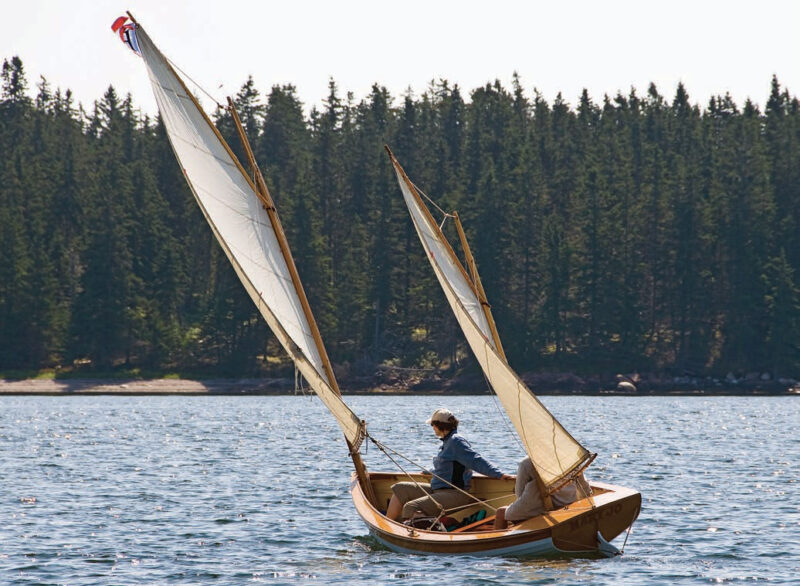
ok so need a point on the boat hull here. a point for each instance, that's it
(585, 527)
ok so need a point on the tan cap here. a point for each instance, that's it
(441, 415)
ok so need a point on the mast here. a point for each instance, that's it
(475, 279)
(425, 210)
(478, 286)
(266, 199)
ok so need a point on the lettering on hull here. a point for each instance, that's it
(595, 517)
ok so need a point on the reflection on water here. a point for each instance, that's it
(135, 490)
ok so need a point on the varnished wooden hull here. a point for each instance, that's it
(578, 529)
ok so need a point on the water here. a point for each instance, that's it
(236, 490)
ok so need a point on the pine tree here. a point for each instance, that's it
(105, 315)
(783, 147)
(691, 216)
(631, 233)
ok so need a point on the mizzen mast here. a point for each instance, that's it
(557, 456)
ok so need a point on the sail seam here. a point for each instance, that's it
(222, 202)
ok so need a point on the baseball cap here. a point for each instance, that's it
(441, 415)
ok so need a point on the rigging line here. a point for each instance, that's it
(436, 520)
(382, 447)
(433, 203)
(197, 85)
(443, 512)
(503, 417)
(299, 387)
(624, 543)
(579, 486)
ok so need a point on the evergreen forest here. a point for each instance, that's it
(634, 232)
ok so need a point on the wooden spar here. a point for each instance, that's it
(427, 214)
(263, 194)
(266, 199)
(279, 231)
(362, 475)
(478, 287)
(473, 269)
(270, 208)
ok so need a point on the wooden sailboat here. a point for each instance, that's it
(243, 218)
(587, 525)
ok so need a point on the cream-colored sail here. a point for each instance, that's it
(554, 452)
(228, 199)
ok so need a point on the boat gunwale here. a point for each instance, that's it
(423, 541)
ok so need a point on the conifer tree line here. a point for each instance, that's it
(634, 232)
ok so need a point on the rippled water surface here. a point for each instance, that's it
(236, 490)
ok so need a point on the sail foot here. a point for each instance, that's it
(569, 476)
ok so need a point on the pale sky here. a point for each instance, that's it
(604, 46)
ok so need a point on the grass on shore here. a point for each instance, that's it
(113, 374)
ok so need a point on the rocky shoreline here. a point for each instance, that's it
(409, 382)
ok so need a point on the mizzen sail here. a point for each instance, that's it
(229, 201)
(554, 452)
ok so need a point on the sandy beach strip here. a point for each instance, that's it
(146, 387)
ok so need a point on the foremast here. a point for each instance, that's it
(223, 190)
(262, 191)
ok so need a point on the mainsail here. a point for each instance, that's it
(229, 201)
(554, 452)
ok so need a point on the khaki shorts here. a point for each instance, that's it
(420, 500)
(529, 501)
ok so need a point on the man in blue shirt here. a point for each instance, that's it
(452, 473)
